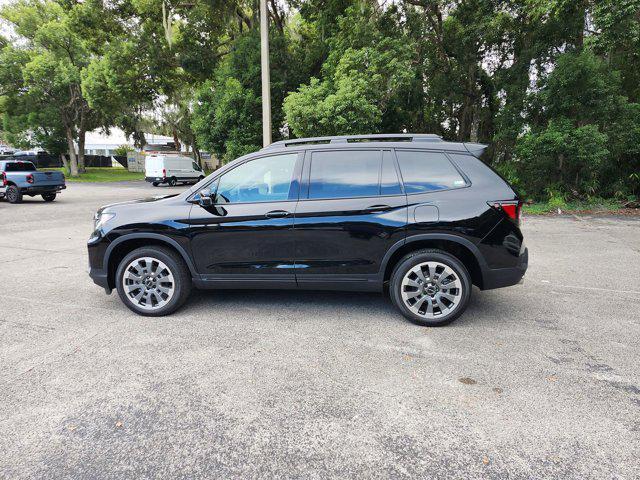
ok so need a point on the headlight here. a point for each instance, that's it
(99, 219)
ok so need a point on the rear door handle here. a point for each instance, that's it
(277, 214)
(377, 208)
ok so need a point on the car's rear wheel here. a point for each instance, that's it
(48, 197)
(173, 181)
(430, 287)
(153, 281)
(155, 184)
(13, 194)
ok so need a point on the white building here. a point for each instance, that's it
(98, 143)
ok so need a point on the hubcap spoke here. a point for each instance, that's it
(418, 304)
(451, 298)
(411, 283)
(418, 271)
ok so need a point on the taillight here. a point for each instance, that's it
(511, 208)
(30, 178)
(164, 172)
(3, 178)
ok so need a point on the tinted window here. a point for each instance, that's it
(195, 166)
(427, 171)
(19, 167)
(350, 173)
(266, 179)
(389, 183)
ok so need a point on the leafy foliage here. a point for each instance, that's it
(552, 86)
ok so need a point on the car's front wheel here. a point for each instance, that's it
(153, 281)
(430, 287)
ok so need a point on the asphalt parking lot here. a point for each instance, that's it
(538, 380)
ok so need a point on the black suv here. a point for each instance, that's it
(420, 216)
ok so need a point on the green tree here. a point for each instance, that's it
(363, 80)
(585, 133)
(50, 58)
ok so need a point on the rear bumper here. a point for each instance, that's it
(43, 189)
(506, 277)
(155, 179)
(2, 191)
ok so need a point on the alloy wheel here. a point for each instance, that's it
(431, 290)
(148, 283)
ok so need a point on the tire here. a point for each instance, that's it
(421, 299)
(155, 184)
(164, 260)
(13, 194)
(173, 181)
(200, 178)
(48, 197)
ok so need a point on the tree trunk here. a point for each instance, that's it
(73, 161)
(81, 138)
(65, 163)
(196, 154)
(176, 140)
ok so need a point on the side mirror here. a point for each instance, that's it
(205, 199)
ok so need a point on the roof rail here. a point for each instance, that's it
(383, 137)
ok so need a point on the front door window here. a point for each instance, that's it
(266, 179)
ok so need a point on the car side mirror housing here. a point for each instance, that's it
(206, 199)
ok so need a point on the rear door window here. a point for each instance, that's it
(427, 172)
(345, 174)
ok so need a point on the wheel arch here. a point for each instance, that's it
(461, 248)
(120, 247)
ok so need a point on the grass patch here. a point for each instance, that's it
(103, 175)
(593, 206)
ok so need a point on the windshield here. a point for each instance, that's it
(19, 167)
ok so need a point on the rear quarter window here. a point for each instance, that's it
(428, 172)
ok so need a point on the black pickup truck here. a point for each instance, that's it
(19, 178)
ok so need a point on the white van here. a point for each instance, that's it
(171, 169)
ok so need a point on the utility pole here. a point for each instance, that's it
(266, 82)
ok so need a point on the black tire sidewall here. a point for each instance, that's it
(48, 197)
(180, 273)
(173, 181)
(429, 256)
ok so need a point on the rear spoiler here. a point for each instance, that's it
(475, 149)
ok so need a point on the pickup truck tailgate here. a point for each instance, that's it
(45, 179)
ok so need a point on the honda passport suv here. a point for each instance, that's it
(415, 215)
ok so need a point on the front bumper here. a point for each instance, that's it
(100, 278)
(506, 277)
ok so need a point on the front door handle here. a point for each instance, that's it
(277, 214)
(377, 208)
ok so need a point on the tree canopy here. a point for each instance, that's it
(552, 86)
